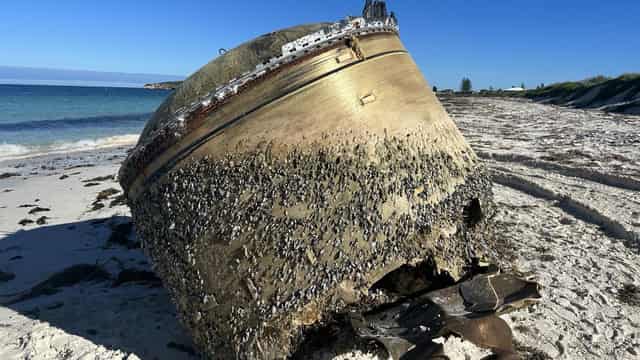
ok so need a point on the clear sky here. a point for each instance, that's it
(496, 43)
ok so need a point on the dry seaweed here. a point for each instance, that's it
(38, 209)
(120, 200)
(105, 194)
(6, 276)
(137, 276)
(25, 222)
(99, 178)
(68, 277)
(8, 175)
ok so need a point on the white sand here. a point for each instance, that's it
(571, 206)
(90, 320)
(568, 200)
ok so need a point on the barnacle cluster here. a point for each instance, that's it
(254, 245)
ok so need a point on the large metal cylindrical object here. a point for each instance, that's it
(284, 204)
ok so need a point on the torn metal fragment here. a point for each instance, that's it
(469, 310)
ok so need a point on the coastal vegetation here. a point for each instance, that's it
(620, 94)
(465, 85)
(610, 94)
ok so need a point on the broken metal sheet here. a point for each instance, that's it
(469, 310)
(479, 295)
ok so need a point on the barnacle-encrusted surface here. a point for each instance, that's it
(256, 244)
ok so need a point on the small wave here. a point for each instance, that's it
(11, 150)
(17, 151)
(97, 121)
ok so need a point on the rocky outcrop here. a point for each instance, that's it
(167, 85)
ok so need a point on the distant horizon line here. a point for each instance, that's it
(46, 68)
(73, 83)
(25, 75)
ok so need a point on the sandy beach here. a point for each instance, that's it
(75, 283)
(567, 183)
(104, 303)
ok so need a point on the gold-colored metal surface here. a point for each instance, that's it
(333, 90)
(226, 67)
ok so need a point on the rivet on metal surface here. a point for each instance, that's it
(368, 99)
(344, 57)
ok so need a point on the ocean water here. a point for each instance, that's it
(37, 119)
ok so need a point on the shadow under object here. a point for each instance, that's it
(268, 210)
(70, 294)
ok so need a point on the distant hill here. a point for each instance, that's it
(620, 95)
(42, 76)
(165, 85)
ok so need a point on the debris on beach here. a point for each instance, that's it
(120, 200)
(137, 276)
(27, 206)
(105, 194)
(469, 310)
(99, 179)
(25, 222)
(80, 166)
(6, 276)
(68, 277)
(8, 175)
(38, 209)
(66, 176)
(96, 205)
(278, 184)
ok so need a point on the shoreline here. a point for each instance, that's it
(64, 83)
(58, 154)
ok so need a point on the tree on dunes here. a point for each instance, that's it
(465, 85)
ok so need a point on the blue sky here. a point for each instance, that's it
(496, 43)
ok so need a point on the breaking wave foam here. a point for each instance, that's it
(17, 151)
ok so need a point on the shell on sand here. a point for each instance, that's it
(284, 204)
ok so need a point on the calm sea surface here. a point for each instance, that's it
(39, 119)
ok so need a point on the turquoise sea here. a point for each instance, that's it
(38, 119)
